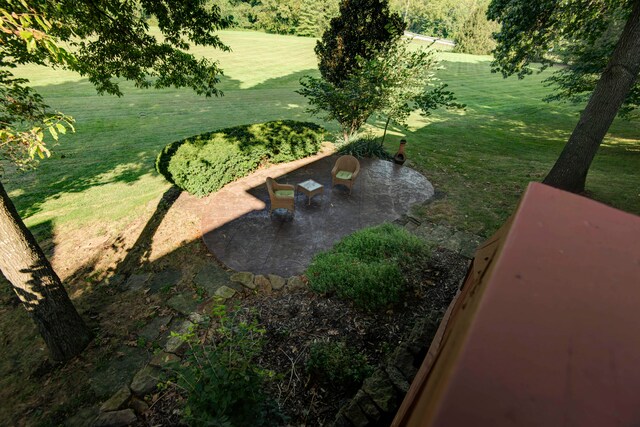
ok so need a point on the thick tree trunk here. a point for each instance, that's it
(570, 170)
(23, 263)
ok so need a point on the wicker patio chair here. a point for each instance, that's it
(345, 171)
(281, 195)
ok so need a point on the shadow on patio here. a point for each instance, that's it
(237, 228)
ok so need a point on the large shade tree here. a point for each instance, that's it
(530, 28)
(584, 61)
(103, 40)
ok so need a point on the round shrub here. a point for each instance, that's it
(204, 163)
(367, 266)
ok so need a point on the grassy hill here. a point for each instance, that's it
(481, 158)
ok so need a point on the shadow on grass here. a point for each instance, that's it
(118, 139)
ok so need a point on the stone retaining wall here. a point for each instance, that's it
(377, 401)
(125, 406)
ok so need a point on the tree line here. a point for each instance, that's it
(462, 20)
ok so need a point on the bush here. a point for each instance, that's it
(204, 163)
(225, 386)
(367, 266)
(366, 146)
(335, 363)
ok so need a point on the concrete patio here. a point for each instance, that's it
(237, 227)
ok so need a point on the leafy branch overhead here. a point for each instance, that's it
(103, 41)
(605, 62)
(111, 39)
(532, 29)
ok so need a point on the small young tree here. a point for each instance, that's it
(394, 83)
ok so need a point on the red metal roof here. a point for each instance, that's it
(554, 337)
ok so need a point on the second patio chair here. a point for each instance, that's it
(345, 171)
(281, 195)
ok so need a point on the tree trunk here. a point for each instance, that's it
(570, 170)
(39, 288)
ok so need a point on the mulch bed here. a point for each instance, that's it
(293, 321)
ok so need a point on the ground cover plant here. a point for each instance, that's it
(220, 377)
(338, 364)
(314, 372)
(204, 163)
(93, 200)
(369, 266)
(365, 146)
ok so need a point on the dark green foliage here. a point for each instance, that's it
(300, 17)
(337, 364)
(224, 384)
(530, 29)
(585, 61)
(204, 163)
(437, 18)
(110, 39)
(363, 29)
(367, 146)
(476, 34)
(315, 17)
(367, 266)
(276, 16)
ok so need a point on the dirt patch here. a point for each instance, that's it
(294, 321)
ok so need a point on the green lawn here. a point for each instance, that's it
(481, 158)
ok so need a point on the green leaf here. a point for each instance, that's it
(26, 35)
(53, 132)
(31, 44)
(61, 128)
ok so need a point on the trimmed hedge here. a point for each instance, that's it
(204, 163)
(368, 266)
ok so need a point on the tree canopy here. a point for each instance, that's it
(584, 61)
(531, 29)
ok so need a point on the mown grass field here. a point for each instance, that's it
(481, 158)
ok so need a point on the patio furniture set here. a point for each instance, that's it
(282, 196)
